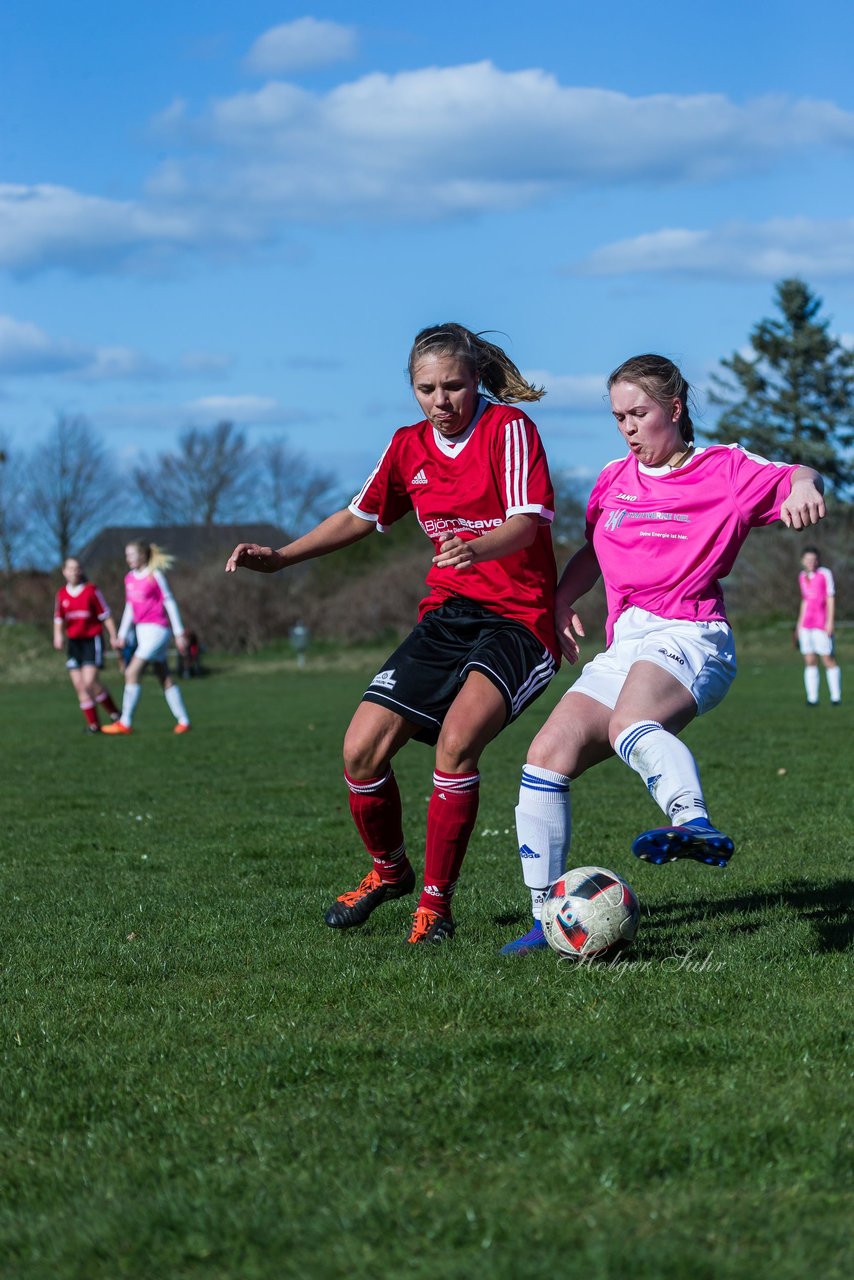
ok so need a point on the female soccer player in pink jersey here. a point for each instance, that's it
(151, 610)
(664, 525)
(475, 474)
(815, 627)
(80, 613)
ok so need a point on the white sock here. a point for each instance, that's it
(130, 698)
(543, 828)
(176, 704)
(834, 683)
(667, 767)
(811, 683)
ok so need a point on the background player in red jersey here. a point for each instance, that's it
(475, 474)
(79, 614)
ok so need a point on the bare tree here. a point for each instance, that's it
(294, 493)
(72, 486)
(212, 476)
(14, 508)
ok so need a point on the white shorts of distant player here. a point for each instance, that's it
(152, 642)
(700, 655)
(814, 640)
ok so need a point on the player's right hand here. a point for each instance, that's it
(248, 555)
(570, 626)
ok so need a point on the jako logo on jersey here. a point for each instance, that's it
(526, 852)
(627, 497)
(434, 527)
(420, 478)
(674, 657)
(385, 679)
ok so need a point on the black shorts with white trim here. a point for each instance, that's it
(420, 680)
(85, 652)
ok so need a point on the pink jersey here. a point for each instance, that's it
(149, 600)
(495, 469)
(664, 539)
(816, 590)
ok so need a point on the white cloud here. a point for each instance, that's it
(27, 349)
(45, 226)
(243, 409)
(572, 393)
(808, 247)
(300, 45)
(420, 145)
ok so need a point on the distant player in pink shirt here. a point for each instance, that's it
(79, 616)
(152, 612)
(475, 475)
(664, 525)
(815, 627)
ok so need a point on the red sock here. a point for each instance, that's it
(451, 816)
(376, 809)
(104, 700)
(91, 714)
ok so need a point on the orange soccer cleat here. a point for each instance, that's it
(118, 726)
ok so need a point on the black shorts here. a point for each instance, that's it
(88, 652)
(426, 672)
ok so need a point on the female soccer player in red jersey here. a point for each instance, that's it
(475, 473)
(79, 614)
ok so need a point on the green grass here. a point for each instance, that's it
(200, 1079)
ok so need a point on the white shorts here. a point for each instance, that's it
(814, 640)
(152, 642)
(700, 655)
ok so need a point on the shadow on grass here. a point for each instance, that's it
(826, 907)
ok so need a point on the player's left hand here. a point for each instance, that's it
(182, 644)
(804, 506)
(455, 553)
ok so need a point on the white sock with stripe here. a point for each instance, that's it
(667, 768)
(543, 829)
(175, 700)
(812, 679)
(834, 683)
(130, 698)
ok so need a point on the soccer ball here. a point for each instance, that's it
(589, 912)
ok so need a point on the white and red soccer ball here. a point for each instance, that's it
(590, 912)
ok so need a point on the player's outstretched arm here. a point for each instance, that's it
(338, 530)
(805, 503)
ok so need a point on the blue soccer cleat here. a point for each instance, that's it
(533, 940)
(697, 840)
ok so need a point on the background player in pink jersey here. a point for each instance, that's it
(151, 610)
(664, 525)
(475, 474)
(815, 626)
(80, 613)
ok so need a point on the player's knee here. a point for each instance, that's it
(455, 751)
(554, 749)
(362, 755)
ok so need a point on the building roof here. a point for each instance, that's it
(188, 543)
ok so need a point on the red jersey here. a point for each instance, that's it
(81, 612)
(466, 486)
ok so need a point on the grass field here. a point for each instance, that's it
(200, 1079)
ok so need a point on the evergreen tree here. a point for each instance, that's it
(792, 399)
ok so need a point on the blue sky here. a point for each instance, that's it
(246, 211)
